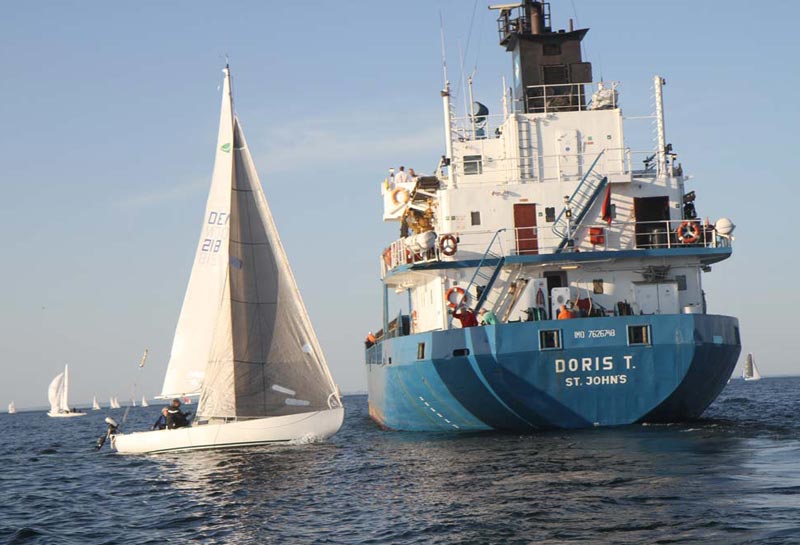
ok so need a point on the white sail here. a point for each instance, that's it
(55, 392)
(12, 408)
(144, 402)
(95, 404)
(750, 371)
(64, 402)
(195, 330)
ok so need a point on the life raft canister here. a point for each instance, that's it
(403, 193)
(448, 245)
(450, 302)
(688, 232)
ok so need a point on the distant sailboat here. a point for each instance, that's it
(113, 403)
(95, 404)
(750, 371)
(12, 408)
(58, 395)
(244, 342)
(144, 402)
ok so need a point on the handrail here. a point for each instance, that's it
(576, 192)
(487, 253)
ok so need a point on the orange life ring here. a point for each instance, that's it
(688, 232)
(448, 245)
(400, 191)
(450, 302)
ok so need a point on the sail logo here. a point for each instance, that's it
(226, 147)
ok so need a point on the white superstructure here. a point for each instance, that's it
(538, 197)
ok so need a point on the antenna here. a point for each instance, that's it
(444, 53)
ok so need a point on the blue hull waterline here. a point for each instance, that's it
(498, 377)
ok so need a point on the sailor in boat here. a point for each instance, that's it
(176, 418)
(161, 423)
(564, 313)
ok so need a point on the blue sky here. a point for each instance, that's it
(109, 114)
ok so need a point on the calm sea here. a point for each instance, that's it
(733, 477)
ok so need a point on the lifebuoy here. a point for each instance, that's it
(688, 232)
(387, 257)
(448, 245)
(400, 191)
(450, 302)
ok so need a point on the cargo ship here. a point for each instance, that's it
(546, 274)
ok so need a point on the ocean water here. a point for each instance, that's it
(733, 477)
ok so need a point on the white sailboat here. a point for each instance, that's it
(144, 402)
(244, 342)
(58, 395)
(750, 371)
(12, 409)
(95, 404)
(113, 403)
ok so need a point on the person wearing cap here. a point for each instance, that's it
(176, 418)
(370, 340)
(487, 317)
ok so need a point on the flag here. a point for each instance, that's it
(606, 211)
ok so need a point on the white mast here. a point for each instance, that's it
(658, 83)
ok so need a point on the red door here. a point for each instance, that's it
(525, 227)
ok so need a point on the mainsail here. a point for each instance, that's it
(265, 357)
(95, 404)
(195, 330)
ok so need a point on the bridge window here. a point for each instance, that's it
(473, 164)
(550, 339)
(639, 335)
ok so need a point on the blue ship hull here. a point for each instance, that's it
(498, 377)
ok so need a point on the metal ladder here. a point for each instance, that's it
(580, 202)
(524, 138)
(487, 271)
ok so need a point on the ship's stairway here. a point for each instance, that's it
(580, 202)
(485, 276)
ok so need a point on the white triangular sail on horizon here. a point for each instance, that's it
(144, 402)
(95, 404)
(58, 396)
(244, 341)
(750, 371)
(12, 408)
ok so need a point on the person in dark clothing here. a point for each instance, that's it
(176, 418)
(161, 423)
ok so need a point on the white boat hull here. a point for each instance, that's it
(64, 415)
(276, 429)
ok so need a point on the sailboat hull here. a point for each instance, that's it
(277, 429)
(64, 415)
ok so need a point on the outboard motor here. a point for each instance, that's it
(113, 428)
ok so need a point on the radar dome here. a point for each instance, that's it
(724, 227)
